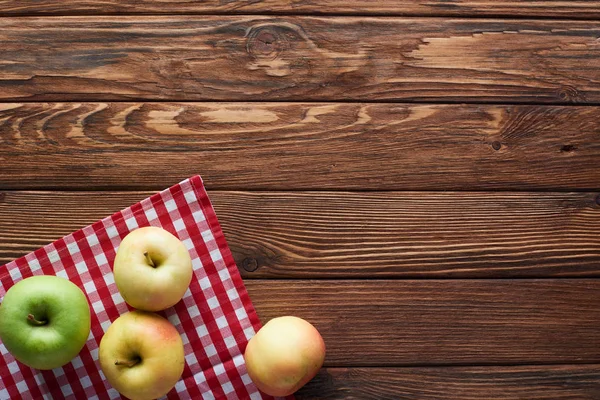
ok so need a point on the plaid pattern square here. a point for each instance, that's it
(215, 317)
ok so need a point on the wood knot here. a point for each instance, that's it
(567, 148)
(570, 94)
(265, 43)
(250, 264)
(496, 145)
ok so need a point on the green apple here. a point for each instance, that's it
(152, 269)
(44, 321)
(141, 355)
(284, 355)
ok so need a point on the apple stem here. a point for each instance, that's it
(149, 260)
(128, 363)
(34, 321)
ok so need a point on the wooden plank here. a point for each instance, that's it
(419, 235)
(565, 382)
(342, 235)
(291, 146)
(525, 8)
(299, 58)
(442, 322)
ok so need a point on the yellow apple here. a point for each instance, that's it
(152, 269)
(141, 354)
(284, 355)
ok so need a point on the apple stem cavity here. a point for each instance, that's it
(149, 259)
(34, 321)
(128, 363)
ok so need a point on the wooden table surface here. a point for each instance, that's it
(419, 179)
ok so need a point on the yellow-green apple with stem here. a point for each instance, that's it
(44, 321)
(142, 355)
(284, 355)
(152, 269)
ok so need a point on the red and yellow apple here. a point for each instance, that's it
(142, 356)
(152, 269)
(284, 355)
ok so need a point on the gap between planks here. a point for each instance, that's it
(382, 15)
(332, 101)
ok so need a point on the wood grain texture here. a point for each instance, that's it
(544, 8)
(442, 322)
(291, 146)
(342, 235)
(565, 382)
(299, 58)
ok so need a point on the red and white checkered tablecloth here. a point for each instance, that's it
(215, 318)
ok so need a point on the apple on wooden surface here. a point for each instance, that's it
(284, 355)
(142, 355)
(152, 269)
(44, 321)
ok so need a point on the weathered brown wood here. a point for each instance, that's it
(442, 322)
(565, 382)
(289, 146)
(412, 234)
(341, 235)
(525, 8)
(299, 58)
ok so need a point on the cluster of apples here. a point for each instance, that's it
(141, 353)
(45, 322)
